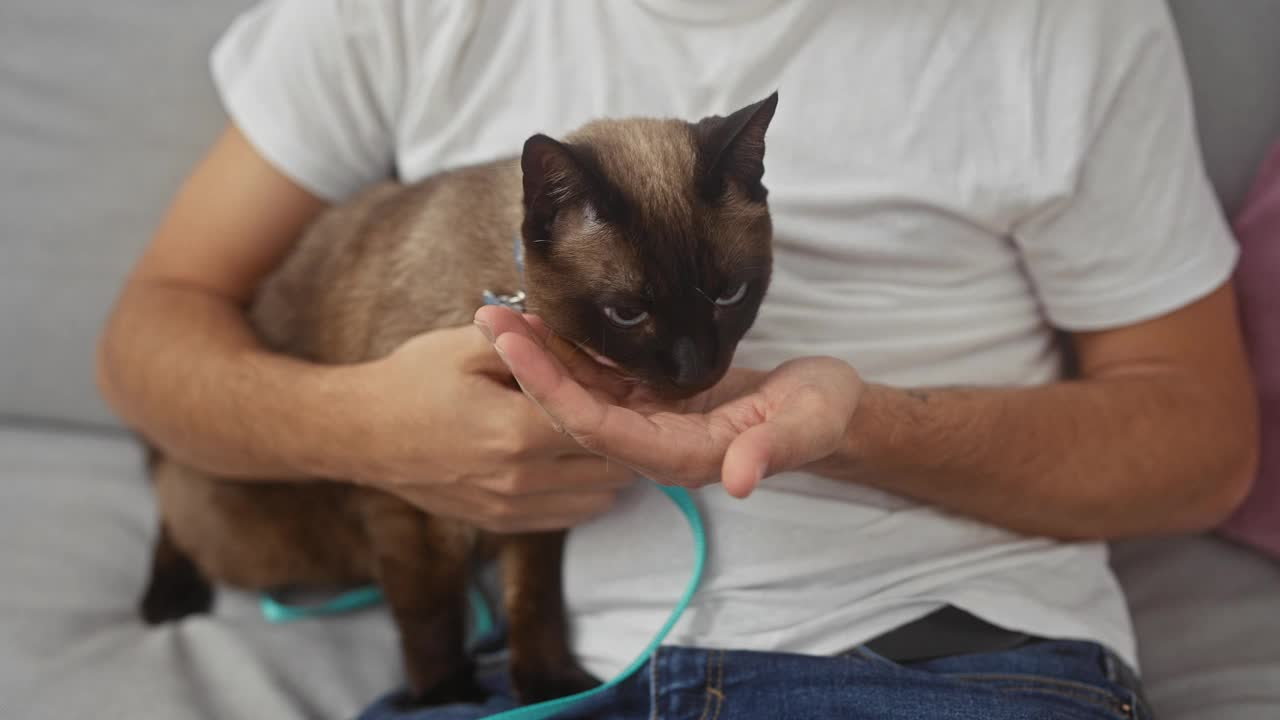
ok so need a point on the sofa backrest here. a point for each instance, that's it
(105, 106)
(1233, 57)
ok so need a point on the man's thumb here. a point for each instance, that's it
(747, 461)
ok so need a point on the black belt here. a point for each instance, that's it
(945, 632)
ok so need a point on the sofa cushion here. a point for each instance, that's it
(107, 105)
(1233, 58)
(77, 520)
(1208, 639)
(76, 525)
(1258, 285)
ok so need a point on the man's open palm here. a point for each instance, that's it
(749, 425)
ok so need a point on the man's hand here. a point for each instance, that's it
(1159, 434)
(749, 426)
(438, 422)
(444, 427)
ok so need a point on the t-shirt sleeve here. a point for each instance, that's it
(1141, 233)
(313, 85)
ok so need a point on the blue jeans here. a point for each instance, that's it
(1044, 680)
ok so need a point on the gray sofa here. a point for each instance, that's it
(103, 107)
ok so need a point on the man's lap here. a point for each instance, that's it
(1059, 679)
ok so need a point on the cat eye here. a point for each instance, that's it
(733, 298)
(625, 318)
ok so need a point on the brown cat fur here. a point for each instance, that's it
(648, 216)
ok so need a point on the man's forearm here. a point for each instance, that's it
(1129, 455)
(181, 365)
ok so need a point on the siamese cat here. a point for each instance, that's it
(645, 241)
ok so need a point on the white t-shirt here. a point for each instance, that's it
(949, 180)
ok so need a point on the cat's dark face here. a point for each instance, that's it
(649, 241)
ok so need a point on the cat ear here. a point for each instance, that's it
(553, 180)
(733, 149)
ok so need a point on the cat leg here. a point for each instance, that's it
(256, 535)
(176, 588)
(423, 564)
(542, 666)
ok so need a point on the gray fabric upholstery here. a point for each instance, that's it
(75, 527)
(105, 106)
(1209, 636)
(1233, 57)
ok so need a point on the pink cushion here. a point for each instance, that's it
(1257, 522)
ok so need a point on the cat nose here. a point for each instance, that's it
(687, 368)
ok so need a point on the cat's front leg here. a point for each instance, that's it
(422, 564)
(542, 666)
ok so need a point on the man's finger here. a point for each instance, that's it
(797, 434)
(579, 363)
(538, 326)
(547, 382)
(585, 473)
(746, 462)
(594, 473)
(611, 430)
(535, 430)
(498, 513)
(474, 354)
(495, 320)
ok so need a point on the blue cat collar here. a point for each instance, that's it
(515, 301)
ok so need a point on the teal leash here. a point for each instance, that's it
(276, 612)
(482, 618)
(549, 708)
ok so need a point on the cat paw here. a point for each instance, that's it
(548, 682)
(459, 687)
(175, 593)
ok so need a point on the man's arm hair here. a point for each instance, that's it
(1158, 435)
